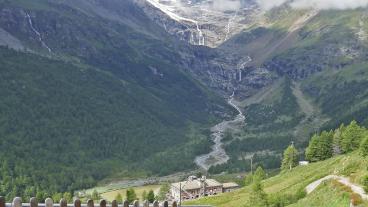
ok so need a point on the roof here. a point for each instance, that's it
(196, 184)
(212, 183)
(230, 185)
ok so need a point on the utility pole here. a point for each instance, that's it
(180, 194)
(251, 165)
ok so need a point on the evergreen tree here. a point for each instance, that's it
(57, 197)
(151, 196)
(320, 147)
(144, 195)
(290, 158)
(260, 174)
(68, 197)
(337, 140)
(95, 196)
(351, 137)
(119, 198)
(312, 149)
(40, 196)
(364, 147)
(130, 195)
(248, 179)
(163, 191)
(258, 198)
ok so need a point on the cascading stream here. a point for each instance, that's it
(218, 154)
(37, 33)
(168, 10)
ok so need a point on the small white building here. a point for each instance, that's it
(303, 163)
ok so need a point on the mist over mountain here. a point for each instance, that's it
(314, 4)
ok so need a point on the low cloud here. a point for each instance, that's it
(269, 4)
(224, 5)
(315, 4)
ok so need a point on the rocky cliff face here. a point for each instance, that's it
(206, 27)
(201, 22)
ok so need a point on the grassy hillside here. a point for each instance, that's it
(342, 94)
(328, 194)
(289, 183)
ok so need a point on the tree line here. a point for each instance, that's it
(342, 140)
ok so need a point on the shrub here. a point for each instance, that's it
(301, 193)
(364, 147)
(356, 199)
(365, 183)
(260, 174)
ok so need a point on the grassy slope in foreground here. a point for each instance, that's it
(327, 194)
(289, 183)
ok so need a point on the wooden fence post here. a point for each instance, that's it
(2, 201)
(90, 203)
(174, 204)
(126, 203)
(49, 202)
(63, 202)
(166, 204)
(33, 202)
(77, 203)
(156, 204)
(102, 203)
(17, 202)
(136, 203)
(114, 203)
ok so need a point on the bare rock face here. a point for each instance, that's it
(201, 22)
(206, 25)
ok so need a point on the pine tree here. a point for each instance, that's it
(260, 174)
(248, 179)
(312, 149)
(119, 198)
(258, 198)
(130, 195)
(364, 147)
(163, 191)
(320, 147)
(151, 196)
(290, 158)
(95, 196)
(144, 195)
(351, 137)
(337, 140)
(57, 197)
(68, 197)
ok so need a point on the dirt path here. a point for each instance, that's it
(343, 180)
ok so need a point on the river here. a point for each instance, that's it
(218, 154)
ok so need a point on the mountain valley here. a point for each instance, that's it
(137, 86)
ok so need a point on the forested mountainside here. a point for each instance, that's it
(317, 61)
(89, 89)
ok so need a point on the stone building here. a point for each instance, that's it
(198, 187)
(228, 187)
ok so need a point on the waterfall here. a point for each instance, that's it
(37, 32)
